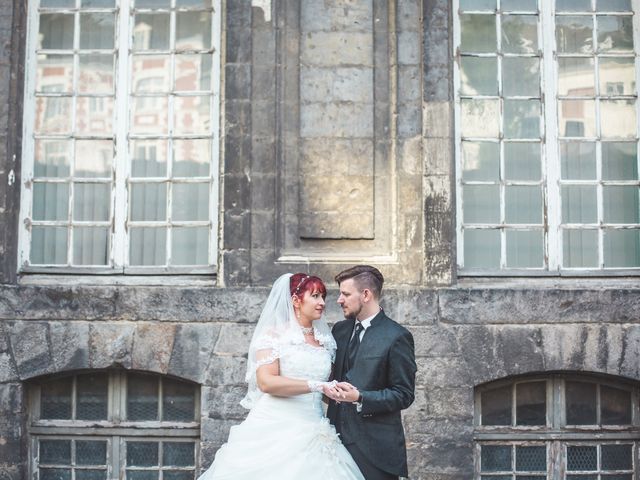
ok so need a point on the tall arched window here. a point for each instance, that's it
(113, 424)
(557, 427)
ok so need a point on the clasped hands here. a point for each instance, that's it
(341, 392)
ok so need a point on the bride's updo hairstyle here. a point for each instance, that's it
(301, 282)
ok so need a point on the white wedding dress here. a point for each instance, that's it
(287, 438)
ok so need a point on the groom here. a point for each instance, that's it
(375, 365)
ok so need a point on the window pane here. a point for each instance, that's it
(177, 475)
(97, 3)
(481, 203)
(178, 401)
(91, 201)
(97, 31)
(621, 204)
(178, 454)
(148, 158)
(91, 453)
(193, 30)
(581, 405)
(49, 245)
(481, 248)
(495, 458)
(92, 403)
(531, 459)
(618, 118)
(91, 475)
(142, 454)
(94, 115)
(150, 73)
(525, 248)
(478, 33)
(193, 72)
(50, 201)
(617, 457)
(478, 76)
(579, 204)
(522, 118)
(519, 33)
(57, 3)
(622, 248)
(190, 246)
(481, 161)
(577, 118)
(521, 5)
(580, 248)
(479, 118)
(55, 452)
(142, 475)
(142, 402)
(93, 158)
(53, 115)
(574, 34)
(54, 73)
(56, 31)
(615, 33)
(582, 477)
(52, 158)
(531, 404)
(152, 3)
(576, 76)
(91, 245)
(150, 115)
(55, 399)
(148, 246)
(522, 161)
(619, 161)
(523, 204)
(582, 458)
(95, 73)
(578, 160)
(192, 114)
(191, 158)
(148, 202)
(190, 201)
(521, 76)
(151, 31)
(616, 406)
(496, 406)
(478, 4)
(616, 75)
(573, 5)
(55, 474)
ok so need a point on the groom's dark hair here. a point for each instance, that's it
(364, 276)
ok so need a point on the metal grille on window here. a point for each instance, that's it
(507, 462)
(148, 460)
(547, 183)
(60, 459)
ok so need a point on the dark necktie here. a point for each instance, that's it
(354, 343)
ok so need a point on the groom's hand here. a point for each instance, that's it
(333, 392)
(349, 392)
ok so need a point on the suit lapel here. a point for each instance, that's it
(369, 336)
(343, 346)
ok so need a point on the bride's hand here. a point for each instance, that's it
(345, 387)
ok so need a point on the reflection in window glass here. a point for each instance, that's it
(496, 406)
(581, 403)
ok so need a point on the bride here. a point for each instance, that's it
(286, 435)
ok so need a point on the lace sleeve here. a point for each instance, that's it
(267, 349)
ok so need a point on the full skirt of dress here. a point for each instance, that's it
(284, 439)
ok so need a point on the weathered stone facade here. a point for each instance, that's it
(337, 148)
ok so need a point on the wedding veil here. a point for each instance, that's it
(278, 328)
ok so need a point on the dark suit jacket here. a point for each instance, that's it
(384, 372)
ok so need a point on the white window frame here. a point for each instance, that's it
(116, 431)
(550, 161)
(118, 261)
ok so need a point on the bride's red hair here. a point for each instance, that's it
(301, 282)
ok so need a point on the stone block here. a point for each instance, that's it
(237, 118)
(234, 340)
(263, 155)
(409, 84)
(450, 402)
(236, 264)
(223, 403)
(238, 81)
(152, 346)
(410, 193)
(437, 118)
(409, 15)
(264, 46)
(409, 51)
(12, 398)
(70, 345)
(263, 193)
(336, 15)
(337, 49)
(438, 156)
(30, 347)
(264, 83)
(215, 430)
(110, 345)
(411, 306)
(237, 229)
(336, 120)
(192, 349)
(238, 45)
(238, 14)
(447, 372)
(409, 120)
(237, 155)
(434, 342)
(262, 230)
(263, 118)
(8, 370)
(226, 370)
(237, 193)
(337, 156)
(340, 84)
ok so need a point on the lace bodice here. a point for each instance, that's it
(305, 362)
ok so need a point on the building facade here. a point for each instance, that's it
(162, 161)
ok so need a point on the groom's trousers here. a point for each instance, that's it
(369, 470)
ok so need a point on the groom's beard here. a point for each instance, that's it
(354, 314)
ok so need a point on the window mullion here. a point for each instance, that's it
(551, 160)
(121, 164)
